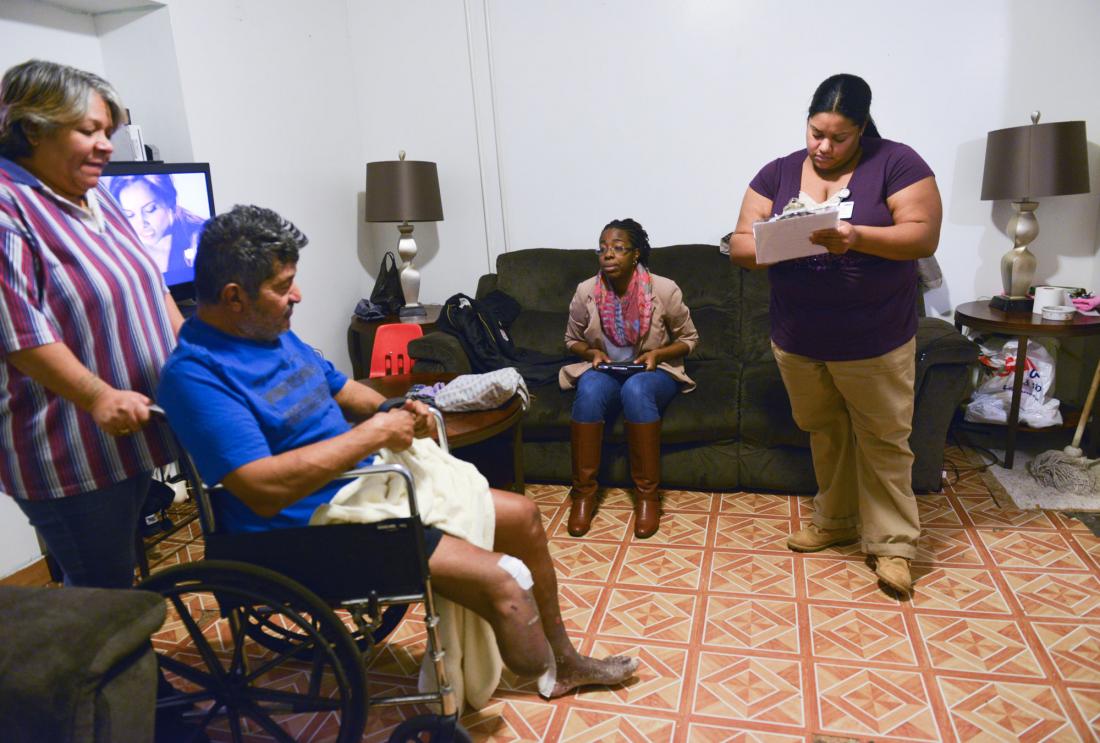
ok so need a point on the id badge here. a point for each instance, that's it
(844, 209)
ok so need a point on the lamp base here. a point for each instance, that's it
(416, 310)
(1005, 303)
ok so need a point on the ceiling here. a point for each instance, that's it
(92, 7)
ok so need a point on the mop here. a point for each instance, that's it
(1069, 470)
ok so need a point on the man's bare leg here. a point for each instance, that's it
(473, 577)
(519, 533)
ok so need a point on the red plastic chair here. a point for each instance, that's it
(390, 354)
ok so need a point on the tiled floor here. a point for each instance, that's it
(742, 640)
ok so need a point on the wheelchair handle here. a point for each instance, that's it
(391, 403)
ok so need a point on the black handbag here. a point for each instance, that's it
(387, 292)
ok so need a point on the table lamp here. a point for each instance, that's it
(404, 191)
(1020, 163)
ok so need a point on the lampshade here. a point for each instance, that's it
(1024, 162)
(403, 191)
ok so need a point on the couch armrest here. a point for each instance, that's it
(438, 352)
(944, 357)
(939, 342)
(486, 284)
(76, 663)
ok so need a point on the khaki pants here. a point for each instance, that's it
(859, 415)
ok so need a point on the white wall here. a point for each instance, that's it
(665, 111)
(139, 55)
(269, 95)
(31, 29)
(413, 89)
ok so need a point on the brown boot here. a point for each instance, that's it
(586, 439)
(644, 442)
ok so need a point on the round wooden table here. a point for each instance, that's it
(464, 429)
(1023, 325)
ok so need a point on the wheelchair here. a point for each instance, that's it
(272, 625)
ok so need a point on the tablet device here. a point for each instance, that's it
(620, 367)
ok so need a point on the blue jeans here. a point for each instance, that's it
(92, 535)
(642, 397)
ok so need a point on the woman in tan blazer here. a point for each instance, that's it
(624, 315)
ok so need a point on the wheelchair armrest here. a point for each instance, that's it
(397, 469)
(389, 469)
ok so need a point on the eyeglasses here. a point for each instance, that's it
(616, 249)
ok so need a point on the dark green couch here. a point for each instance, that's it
(735, 431)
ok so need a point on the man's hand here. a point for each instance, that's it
(394, 426)
(838, 240)
(120, 412)
(649, 358)
(425, 421)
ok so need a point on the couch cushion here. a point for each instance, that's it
(718, 331)
(705, 276)
(541, 331)
(545, 279)
(755, 336)
(766, 418)
(709, 412)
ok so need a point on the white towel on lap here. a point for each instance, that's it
(453, 497)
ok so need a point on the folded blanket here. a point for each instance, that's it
(453, 497)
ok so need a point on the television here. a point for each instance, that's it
(167, 204)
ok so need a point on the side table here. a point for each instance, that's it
(1023, 325)
(466, 429)
(361, 336)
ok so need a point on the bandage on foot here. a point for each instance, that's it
(581, 671)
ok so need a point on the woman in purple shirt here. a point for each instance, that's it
(844, 322)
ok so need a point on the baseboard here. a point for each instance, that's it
(35, 575)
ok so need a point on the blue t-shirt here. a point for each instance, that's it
(232, 401)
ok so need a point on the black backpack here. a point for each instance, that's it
(480, 326)
(482, 335)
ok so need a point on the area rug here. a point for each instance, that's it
(1016, 487)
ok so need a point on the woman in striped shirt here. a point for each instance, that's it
(86, 323)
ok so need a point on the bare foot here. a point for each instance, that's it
(582, 671)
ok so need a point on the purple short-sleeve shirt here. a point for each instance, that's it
(855, 305)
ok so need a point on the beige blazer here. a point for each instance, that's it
(671, 322)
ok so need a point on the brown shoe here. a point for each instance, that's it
(894, 572)
(814, 539)
(581, 512)
(586, 439)
(644, 445)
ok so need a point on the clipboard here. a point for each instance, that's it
(783, 238)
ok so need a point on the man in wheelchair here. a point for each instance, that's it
(265, 415)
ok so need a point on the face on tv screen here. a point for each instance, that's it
(167, 211)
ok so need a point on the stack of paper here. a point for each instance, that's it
(783, 238)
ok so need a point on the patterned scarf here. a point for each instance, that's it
(627, 327)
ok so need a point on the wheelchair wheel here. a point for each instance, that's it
(429, 729)
(224, 681)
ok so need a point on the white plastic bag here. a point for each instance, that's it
(993, 397)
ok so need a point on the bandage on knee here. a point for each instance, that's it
(517, 570)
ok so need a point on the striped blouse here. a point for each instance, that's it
(83, 280)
